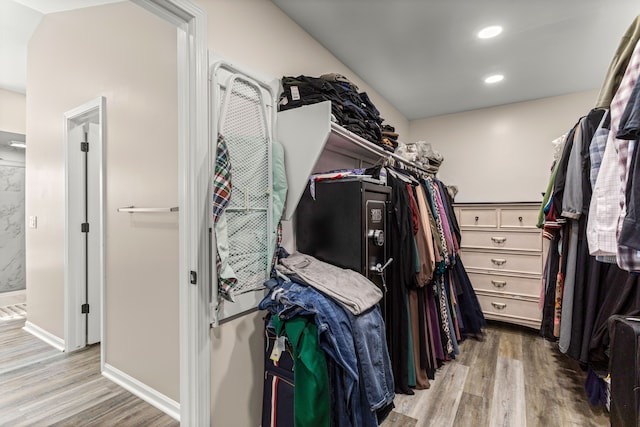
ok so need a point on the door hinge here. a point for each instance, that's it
(84, 227)
(84, 147)
(194, 277)
(84, 308)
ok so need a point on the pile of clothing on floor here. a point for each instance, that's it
(350, 108)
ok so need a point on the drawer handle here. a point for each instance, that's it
(497, 261)
(520, 218)
(477, 218)
(499, 283)
(499, 239)
(499, 305)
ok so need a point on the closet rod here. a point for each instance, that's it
(133, 209)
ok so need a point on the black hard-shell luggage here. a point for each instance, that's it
(277, 402)
(624, 365)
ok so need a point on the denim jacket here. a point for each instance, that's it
(357, 345)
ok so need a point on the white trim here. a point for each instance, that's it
(143, 391)
(193, 170)
(43, 335)
(74, 295)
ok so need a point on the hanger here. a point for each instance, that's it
(399, 176)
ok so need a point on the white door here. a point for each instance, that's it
(83, 239)
(92, 166)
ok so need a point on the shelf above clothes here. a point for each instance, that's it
(307, 131)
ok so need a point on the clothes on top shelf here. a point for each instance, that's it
(358, 366)
(422, 154)
(351, 109)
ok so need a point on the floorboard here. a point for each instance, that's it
(509, 378)
(508, 406)
(40, 386)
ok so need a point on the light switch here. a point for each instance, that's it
(33, 221)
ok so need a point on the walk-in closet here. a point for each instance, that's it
(319, 213)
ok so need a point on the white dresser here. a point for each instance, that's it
(502, 251)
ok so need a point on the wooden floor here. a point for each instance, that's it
(513, 378)
(40, 386)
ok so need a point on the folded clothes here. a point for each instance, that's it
(352, 290)
(351, 109)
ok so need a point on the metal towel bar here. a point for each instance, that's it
(133, 209)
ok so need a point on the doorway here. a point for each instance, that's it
(12, 225)
(84, 224)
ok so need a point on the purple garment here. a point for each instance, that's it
(445, 221)
(437, 338)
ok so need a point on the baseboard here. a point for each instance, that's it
(143, 391)
(45, 336)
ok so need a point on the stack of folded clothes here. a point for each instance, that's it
(389, 136)
(350, 108)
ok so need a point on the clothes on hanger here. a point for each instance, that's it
(428, 289)
(593, 260)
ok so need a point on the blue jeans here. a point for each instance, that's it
(357, 344)
(373, 357)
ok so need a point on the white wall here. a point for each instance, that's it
(502, 154)
(126, 54)
(12, 111)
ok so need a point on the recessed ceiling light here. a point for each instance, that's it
(489, 32)
(494, 78)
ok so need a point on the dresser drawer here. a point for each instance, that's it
(508, 284)
(510, 308)
(500, 239)
(478, 217)
(518, 217)
(502, 261)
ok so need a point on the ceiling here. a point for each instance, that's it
(423, 56)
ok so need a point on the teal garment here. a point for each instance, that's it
(311, 401)
(547, 195)
(411, 372)
(279, 191)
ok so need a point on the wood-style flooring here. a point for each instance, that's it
(512, 378)
(40, 386)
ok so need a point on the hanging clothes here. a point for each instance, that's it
(400, 276)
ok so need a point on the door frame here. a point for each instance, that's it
(74, 291)
(193, 177)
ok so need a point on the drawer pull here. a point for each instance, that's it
(499, 305)
(499, 239)
(477, 218)
(520, 218)
(498, 261)
(499, 283)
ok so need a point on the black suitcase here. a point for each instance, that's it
(624, 365)
(277, 401)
